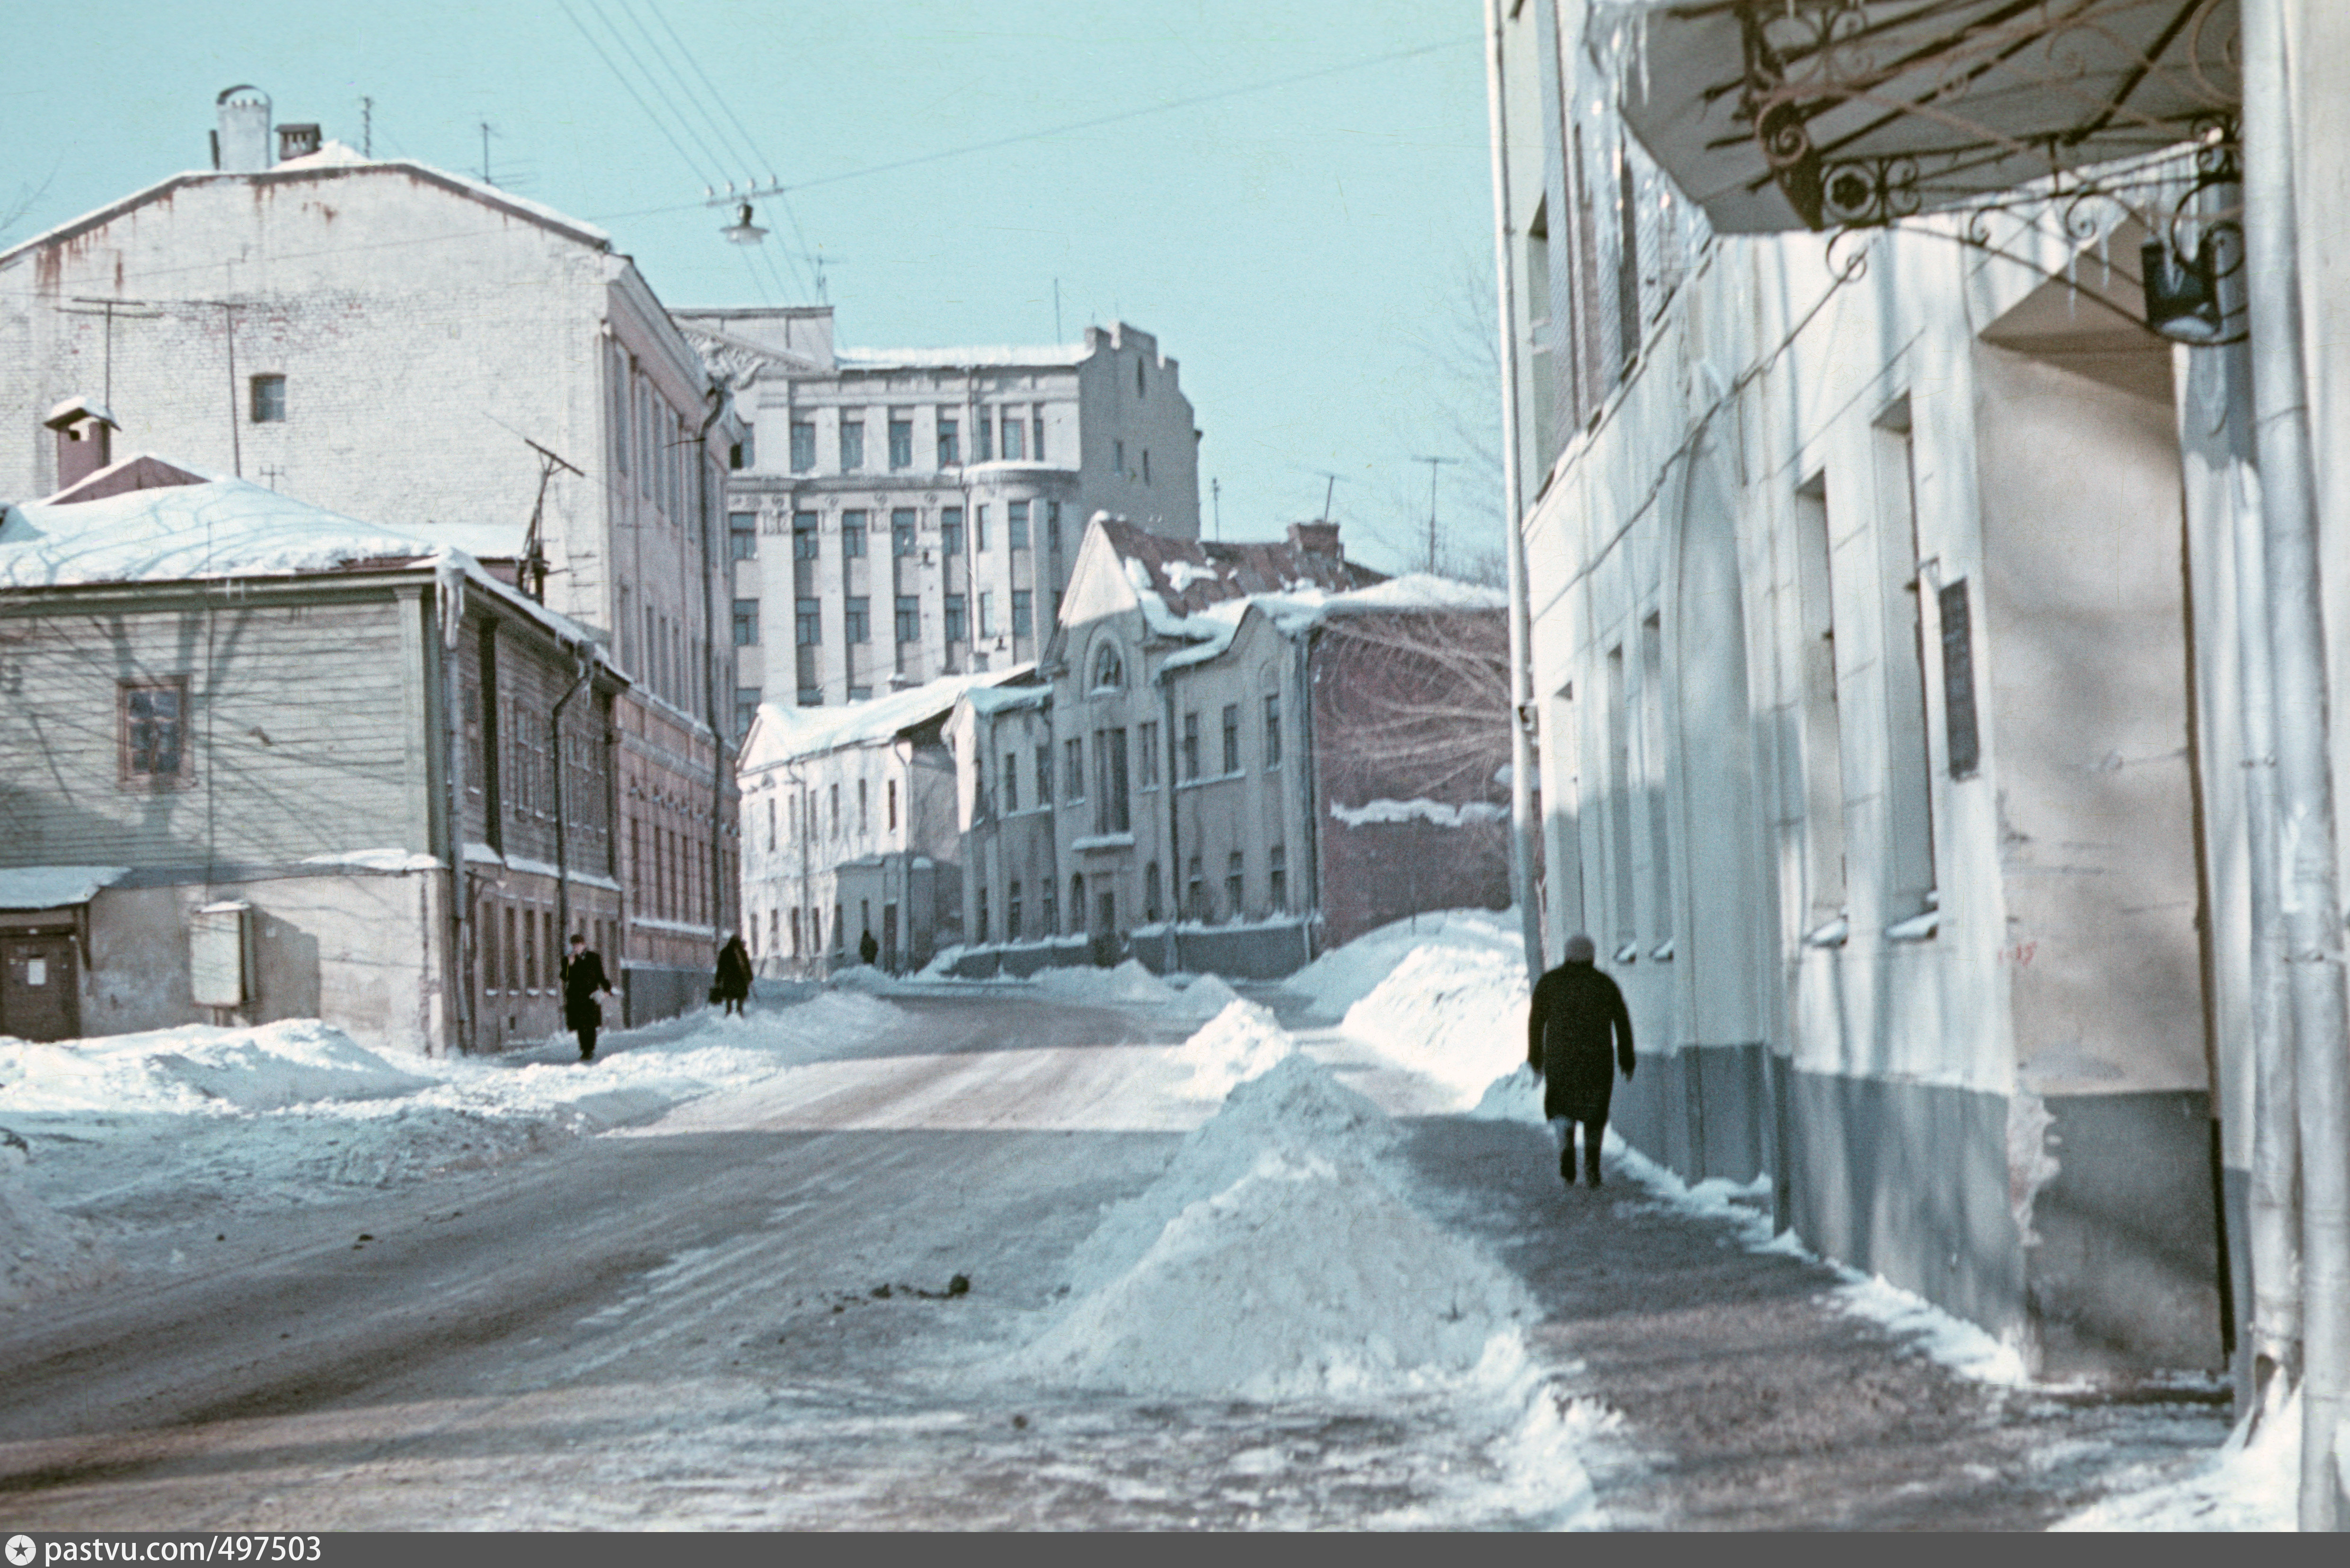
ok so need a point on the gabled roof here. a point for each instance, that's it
(334, 162)
(1189, 575)
(140, 471)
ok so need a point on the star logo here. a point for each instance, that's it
(20, 1550)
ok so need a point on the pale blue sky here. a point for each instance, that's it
(1290, 246)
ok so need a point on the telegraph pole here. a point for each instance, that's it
(1433, 464)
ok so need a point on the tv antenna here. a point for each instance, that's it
(532, 574)
(1433, 464)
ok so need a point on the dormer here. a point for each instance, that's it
(85, 438)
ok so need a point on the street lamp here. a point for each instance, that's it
(743, 231)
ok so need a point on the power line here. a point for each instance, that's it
(685, 120)
(630, 88)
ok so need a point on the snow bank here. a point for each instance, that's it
(2252, 1483)
(1345, 975)
(41, 1252)
(1129, 984)
(1237, 1044)
(1455, 1012)
(197, 1067)
(1276, 1259)
(1205, 997)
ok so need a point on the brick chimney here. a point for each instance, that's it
(241, 144)
(85, 438)
(1316, 539)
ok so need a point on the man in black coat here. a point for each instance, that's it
(583, 977)
(734, 978)
(1575, 1012)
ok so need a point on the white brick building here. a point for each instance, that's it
(912, 513)
(386, 340)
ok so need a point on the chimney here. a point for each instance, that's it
(85, 438)
(1316, 539)
(297, 142)
(240, 145)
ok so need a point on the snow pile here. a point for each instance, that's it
(1437, 812)
(1128, 985)
(1345, 975)
(1275, 1259)
(1455, 1012)
(41, 1250)
(1237, 1044)
(1205, 997)
(197, 1067)
(2252, 1483)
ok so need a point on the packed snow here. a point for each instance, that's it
(2252, 1483)
(1436, 812)
(1235, 1046)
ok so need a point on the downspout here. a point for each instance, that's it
(1522, 823)
(584, 668)
(450, 603)
(1309, 787)
(2307, 887)
(717, 901)
(1175, 884)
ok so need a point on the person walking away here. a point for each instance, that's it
(733, 974)
(1575, 1012)
(868, 949)
(583, 977)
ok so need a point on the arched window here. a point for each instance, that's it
(1109, 668)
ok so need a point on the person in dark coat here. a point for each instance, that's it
(1575, 1012)
(868, 949)
(733, 974)
(583, 977)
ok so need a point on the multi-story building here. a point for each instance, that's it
(1246, 753)
(389, 340)
(260, 761)
(903, 515)
(849, 814)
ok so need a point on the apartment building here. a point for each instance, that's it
(898, 515)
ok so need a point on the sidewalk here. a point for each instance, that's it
(1750, 1401)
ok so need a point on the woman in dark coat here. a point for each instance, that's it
(734, 985)
(1575, 1012)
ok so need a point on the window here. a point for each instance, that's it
(742, 534)
(1231, 737)
(1109, 669)
(852, 438)
(909, 619)
(486, 932)
(1045, 774)
(949, 445)
(1146, 742)
(745, 453)
(836, 810)
(1235, 885)
(1190, 746)
(803, 445)
(890, 790)
(979, 530)
(1277, 875)
(1117, 455)
(746, 708)
(1012, 913)
(902, 531)
(155, 732)
(1150, 891)
(1272, 732)
(864, 808)
(951, 531)
(982, 914)
(1011, 783)
(268, 400)
(902, 439)
(804, 536)
(1077, 906)
(530, 949)
(856, 619)
(1146, 466)
(808, 615)
(1050, 924)
(1196, 891)
(746, 623)
(1015, 436)
(982, 435)
(955, 628)
(1022, 600)
(1139, 388)
(839, 928)
(852, 535)
(987, 614)
(1073, 769)
(1015, 524)
(1036, 450)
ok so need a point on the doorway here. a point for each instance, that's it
(39, 988)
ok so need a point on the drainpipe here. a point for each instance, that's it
(1175, 883)
(2307, 888)
(586, 667)
(1521, 816)
(717, 901)
(451, 609)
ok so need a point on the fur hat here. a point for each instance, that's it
(1580, 949)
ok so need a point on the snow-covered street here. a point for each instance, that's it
(1089, 1254)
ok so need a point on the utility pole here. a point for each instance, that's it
(531, 577)
(1216, 497)
(1433, 464)
(485, 154)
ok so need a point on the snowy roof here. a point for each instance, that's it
(1187, 576)
(1007, 356)
(333, 158)
(221, 527)
(75, 407)
(782, 734)
(55, 886)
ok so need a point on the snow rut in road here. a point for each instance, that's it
(1277, 1258)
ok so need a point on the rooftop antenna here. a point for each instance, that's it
(1328, 490)
(532, 574)
(113, 310)
(485, 154)
(367, 127)
(1433, 464)
(1216, 494)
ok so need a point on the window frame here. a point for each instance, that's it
(265, 399)
(133, 778)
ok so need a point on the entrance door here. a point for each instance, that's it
(38, 990)
(1104, 929)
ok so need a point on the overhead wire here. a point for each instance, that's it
(708, 182)
(630, 87)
